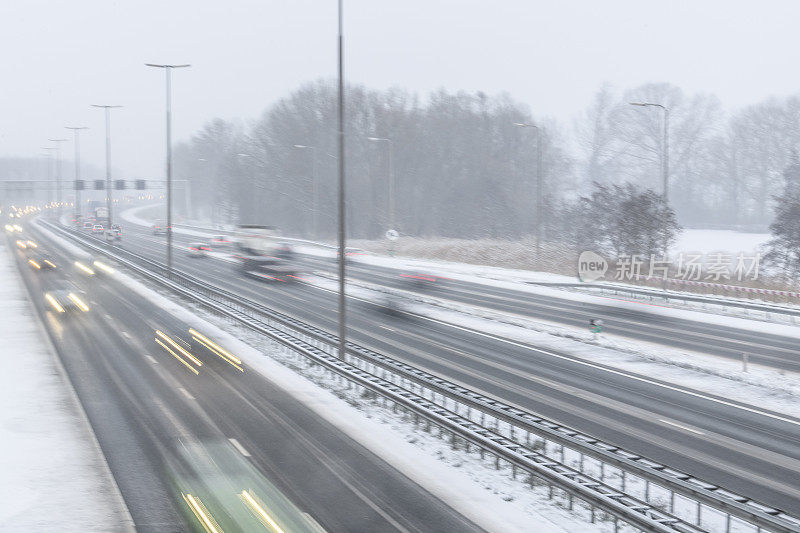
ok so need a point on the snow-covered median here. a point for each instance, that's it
(54, 477)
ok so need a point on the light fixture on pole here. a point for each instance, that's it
(314, 188)
(58, 175)
(76, 130)
(539, 187)
(107, 109)
(168, 71)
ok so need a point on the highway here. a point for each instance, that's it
(745, 449)
(162, 428)
(764, 348)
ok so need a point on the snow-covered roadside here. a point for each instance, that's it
(486, 496)
(55, 477)
(764, 387)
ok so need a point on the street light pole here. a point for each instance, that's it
(341, 197)
(107, 109)
(168, 71)
(58, 175)
(76, 130)
(314, 188)
(539, 187)
(664, 168)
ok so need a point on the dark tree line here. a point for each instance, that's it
(461, 167)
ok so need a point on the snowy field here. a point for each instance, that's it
(54, 477)
(707, 241)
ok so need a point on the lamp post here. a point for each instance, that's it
(58, 176)
(314, 188)
(341, 196)
(664, 169)
(538, 214)
(107, 109)
(168, 71)
(76, 130)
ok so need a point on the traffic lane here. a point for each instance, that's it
(772, 350)
(405, 507)
(313, 461)
(277, 294)
(276, 290)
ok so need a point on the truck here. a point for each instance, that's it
(260, 254)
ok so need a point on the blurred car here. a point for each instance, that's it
(220, 241)
(40, 262)
(88, 226)
(66, 297)
(198, 249)
(117, 228)
(284, 250)
(111, 235)
(421, 280)
(97, 229)
(160, 227)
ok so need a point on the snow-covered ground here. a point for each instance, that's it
(707, 241)
(54, 476)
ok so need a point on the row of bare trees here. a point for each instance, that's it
(461, 168)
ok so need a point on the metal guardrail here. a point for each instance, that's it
(686, 297)
(525, 423)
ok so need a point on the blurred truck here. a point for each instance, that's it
(260, 254)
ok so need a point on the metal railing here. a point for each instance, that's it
(591, 458)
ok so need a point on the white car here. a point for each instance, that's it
(97, 228)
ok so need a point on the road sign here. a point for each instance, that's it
(392, 235)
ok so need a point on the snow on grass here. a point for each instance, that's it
(54, 477)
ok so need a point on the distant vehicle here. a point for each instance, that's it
(220, 240)
(350, 254)
(41, 262)
(65, 297)
(198, 249)
(112, 235)
(97, 228)
(259, 253)
(160, 227)
(101, 213)
(421, 280)
(88, 225)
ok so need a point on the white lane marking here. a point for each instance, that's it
(669, 422)
(586, 363)
(186, 393)
(152, 359)
(617, 372)
(386, 327)
(239, 447)
(108, 317)
(126, 334)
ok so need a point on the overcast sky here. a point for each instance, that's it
(60, 56)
